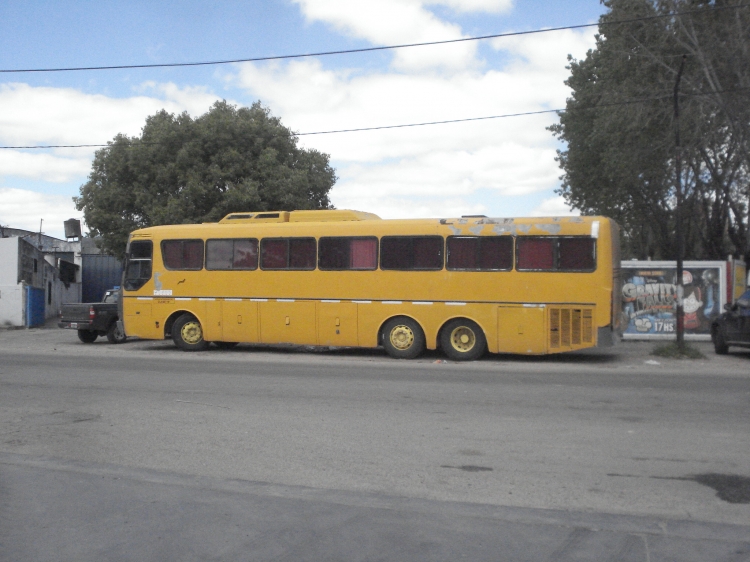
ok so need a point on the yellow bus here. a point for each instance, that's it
(347, 278)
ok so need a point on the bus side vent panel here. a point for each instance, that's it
(588, 325)
(570, 328)
(565, 327)
(575, 337)
(554, 328)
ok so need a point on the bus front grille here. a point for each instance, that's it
(570, 328)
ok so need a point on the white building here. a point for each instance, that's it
(38, 274)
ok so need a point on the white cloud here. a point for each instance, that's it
(65, 116)
(20, 208)
(436, 166)
(487, 6)
(391, 22)
(43, 166)
(553, 207)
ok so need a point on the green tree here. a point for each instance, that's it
(619, 126)
(184, 170)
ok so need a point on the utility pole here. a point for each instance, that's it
(678, 211)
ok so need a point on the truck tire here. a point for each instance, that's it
(87, 336)
(115, 335)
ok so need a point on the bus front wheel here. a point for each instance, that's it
(403, 338)
(462, 340)
(187, 334)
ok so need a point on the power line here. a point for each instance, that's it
(371, 49)
(423, 124)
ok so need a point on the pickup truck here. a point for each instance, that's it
(94, 319)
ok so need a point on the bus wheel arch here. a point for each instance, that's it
(462, 339)
(187, 332)
(402, 337)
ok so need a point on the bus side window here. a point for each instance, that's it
(302, 253)
(577, 254)
(411, 252)
(343, 253)
(288, 253)
(535, 253)
(232, 254)
(182, 254)
(480, 253)
(573, 253)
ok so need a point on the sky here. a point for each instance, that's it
(496, 167)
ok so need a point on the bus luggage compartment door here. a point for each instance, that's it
(521, 329)
(287, 321)
(240, 321)
(337, 324)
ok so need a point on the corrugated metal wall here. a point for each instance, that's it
(98, 273)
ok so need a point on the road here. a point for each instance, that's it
(143, 452)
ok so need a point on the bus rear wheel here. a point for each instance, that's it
(462, 340)
(187, 334)
(403, 338)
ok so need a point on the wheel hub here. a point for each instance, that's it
(463, 339)
(191, 333)
(402, 337)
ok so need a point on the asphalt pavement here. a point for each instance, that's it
(120, 452)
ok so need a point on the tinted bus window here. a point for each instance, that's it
(347, 253)
(182, 254)
(577, 254)
(411, 252)
(557, 254)
(232, 254)
(288, 253)
(535, 253)
(138, 265)
(480, 253)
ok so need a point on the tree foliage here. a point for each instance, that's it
(184, 170)
(619, 126)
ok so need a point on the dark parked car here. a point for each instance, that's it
(733, 326)
(94, 319)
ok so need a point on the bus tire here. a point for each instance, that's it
(87, 336)
(187, 334)
(403, 338)
(115, 335)
(462, 340)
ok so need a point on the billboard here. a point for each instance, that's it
(649, 298)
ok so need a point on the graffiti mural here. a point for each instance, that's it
(649, 296)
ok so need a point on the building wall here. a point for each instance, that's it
(58, 293)
(11, 293)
